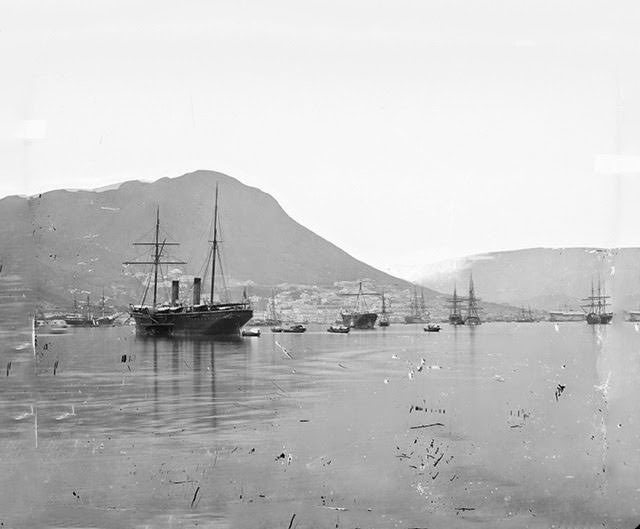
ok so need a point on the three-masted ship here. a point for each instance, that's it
(455, 312)
(417, 309)
(473, 307)
(359, 317)
(596, 307)
(199, 317)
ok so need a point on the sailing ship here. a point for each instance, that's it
(525, 316)
(473, 309)
(359, 317)
(455, 314)
(80, 317)
(271, 317)
(209, 318)
(417, 310)
(597, 306)
(105, 320)
(384, 314)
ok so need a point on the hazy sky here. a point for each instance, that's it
(403, 131)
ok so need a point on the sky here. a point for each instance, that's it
(405, 132)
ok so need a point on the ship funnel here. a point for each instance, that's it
(175, 290)
(196, 290)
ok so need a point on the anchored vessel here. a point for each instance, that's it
(197, 318)
(473, 309)
(360, 317)
(597, 306)
(455, 314)
(418, 312)
(525, 316)
(384, 315)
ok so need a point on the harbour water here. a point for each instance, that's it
(504, 425)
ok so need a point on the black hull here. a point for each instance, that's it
(456, 320)
(602, 319)
(360, 320)
(221, 322)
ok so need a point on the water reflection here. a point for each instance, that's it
(149, 430)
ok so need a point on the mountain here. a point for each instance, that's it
(72, 243)
(544, 278)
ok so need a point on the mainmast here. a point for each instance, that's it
(156, 259)
(214, 247)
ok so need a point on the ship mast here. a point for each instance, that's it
(156, 258)
(157, 254)
(214, 247)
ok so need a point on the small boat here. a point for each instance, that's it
(297, 328)
(432, 327)
(338, 328)
(276, 329)
(253, 331)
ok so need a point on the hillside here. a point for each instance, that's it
(72, 243)
(544, 278)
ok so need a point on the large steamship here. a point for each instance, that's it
(175, 317)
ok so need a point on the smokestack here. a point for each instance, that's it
(196, 290)
(175, 290)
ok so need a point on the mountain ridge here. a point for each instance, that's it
(73, 242)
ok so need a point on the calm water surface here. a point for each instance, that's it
(350, 432)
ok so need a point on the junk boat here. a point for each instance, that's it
(432, 327)
(253, 331)
(359, 317)
(208, 318)
(597, 307)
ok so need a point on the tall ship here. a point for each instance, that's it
(417, 310)
(105, 319)
(205, 317)
(566, 313)
(473, 307)
(359, 316)
(384, 321)
(271, 317)
(80, 317)
(455, 312)
(596, 306)
(525, 316)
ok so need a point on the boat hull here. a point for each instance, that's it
(594, 319)
(220, 322)
(456, 320)
(360, 320)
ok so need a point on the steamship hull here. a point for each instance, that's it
(210, 321)
(359, 320)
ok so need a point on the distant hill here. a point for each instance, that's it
(66, 242)
(545, 278)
